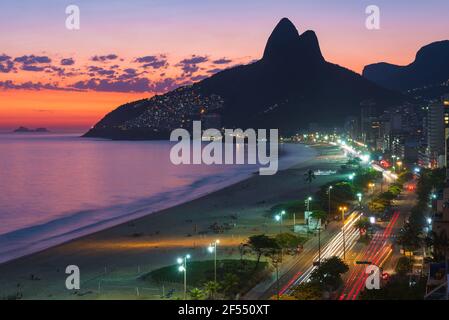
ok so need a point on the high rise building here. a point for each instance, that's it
(436, 142)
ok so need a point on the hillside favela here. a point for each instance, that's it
(260, 152)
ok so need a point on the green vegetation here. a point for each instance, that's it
(308, 291)
(289, 240)
(325, 278)
(233, 276)
(328, 274)
(411, 236)
(262, 245)
(363, 225)
(309, 176)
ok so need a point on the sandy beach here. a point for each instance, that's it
(111, 261)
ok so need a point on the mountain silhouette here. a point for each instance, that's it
(291, 86)
(431, 66)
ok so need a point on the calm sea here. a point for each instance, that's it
(54, 188)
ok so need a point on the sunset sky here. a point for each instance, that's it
(67, 80)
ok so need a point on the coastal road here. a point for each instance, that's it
(380, 251)
(299, 269)
(376, 253)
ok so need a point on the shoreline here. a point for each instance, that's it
(146, 206)
(154, 240)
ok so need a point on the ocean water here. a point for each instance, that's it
(54, 188)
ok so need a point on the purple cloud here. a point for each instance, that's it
(32, 59)
(67, 62)
(133, 85)
(190, 65)
(104, 58)
(155, 62)
(127, 85)
(8, 84)
(6, 65)
(99, 71)
(33, 68)
(222, 61)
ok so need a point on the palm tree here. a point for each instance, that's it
(309, 176)
(211, 288)
(230, 285)
(196, 294)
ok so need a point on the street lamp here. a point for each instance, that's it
(372, 220)
(359, 196)
(329, 204)
(279, 219)
(308, 203)
(213, 249)
(351, 177)
(343, 210)
(182, 262)
(371, 185)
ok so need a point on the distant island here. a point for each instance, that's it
(25, 129)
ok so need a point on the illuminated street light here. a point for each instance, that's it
(308, 203)
(329, 204)
(213, 249)
(279, 219)
(429, 221)
(183, 268)
(372, 220)
(365, 158)
(343, 210)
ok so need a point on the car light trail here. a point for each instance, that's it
(333, 248)
(377, 253)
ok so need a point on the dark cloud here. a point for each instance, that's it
(190, 65)
(34, 68)
(194, 60)
(99, 71)
(67, 62)
(213, 71)
(61, 71)
(33, 63)
(8, 84)
(132, 85)
(6, 64)
(4, 57)
(104, 58)
(222, 61)
(164, 85)
(155, 62)
(138, 84)
(129, 73)
(32, 59)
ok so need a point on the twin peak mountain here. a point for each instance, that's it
(290, 86)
